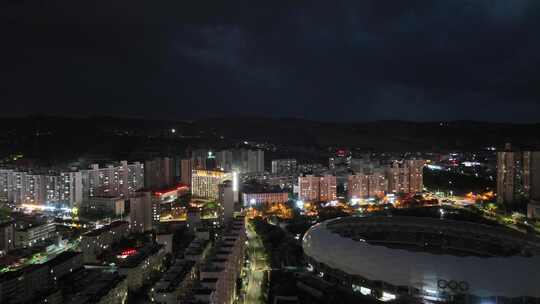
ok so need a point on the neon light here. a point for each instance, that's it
(126, 253)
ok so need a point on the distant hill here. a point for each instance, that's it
(47, 137)
(379, 135)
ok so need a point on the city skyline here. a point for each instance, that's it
(247, 152)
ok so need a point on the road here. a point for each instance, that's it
(258, 266)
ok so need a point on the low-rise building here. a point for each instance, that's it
(197, 250)
(139, 263)
(204, 295)
(94, 242)
(165, 239)
(64, 264)
(175, 282)
(163, 201)
(264, 198)
(38, 283)
(223, 265)
(30, 233)
(114, 205)
(96, 287)
(25, 285)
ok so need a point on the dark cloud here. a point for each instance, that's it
(351, 60)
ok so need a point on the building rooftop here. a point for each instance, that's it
(37, 225)
(92, 285)
(140, 254)
(203, 291)
(106, 228)
(62, 257)
(210, 267)
(174, 276)
(6, 276)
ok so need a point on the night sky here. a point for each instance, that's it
(355, 60)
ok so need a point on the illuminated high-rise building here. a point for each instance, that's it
(198, 157)
(158, 173)
(255, 161)
(226, 201)
(141, 210)
(328, 188)
(406, 176)
(239, 160)
(518, 175)
(317, 188)
(205, 183)
(366, 185)
(224, 160)
(35, 192)
(187, 170)
(7, 185)
(283, 166)
(308, 188)
(70, 187)
(113, 180)
(357, 186)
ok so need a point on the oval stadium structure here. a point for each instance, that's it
(426, 260)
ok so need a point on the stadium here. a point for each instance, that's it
(426, 259)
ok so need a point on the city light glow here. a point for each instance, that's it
(386, 296)
(365, 291)
(235, 181)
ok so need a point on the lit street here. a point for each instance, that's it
(257, 267)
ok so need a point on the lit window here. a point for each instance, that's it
(386, 296)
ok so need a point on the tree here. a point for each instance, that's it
(4, 213)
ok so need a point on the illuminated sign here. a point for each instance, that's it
(126, 253)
